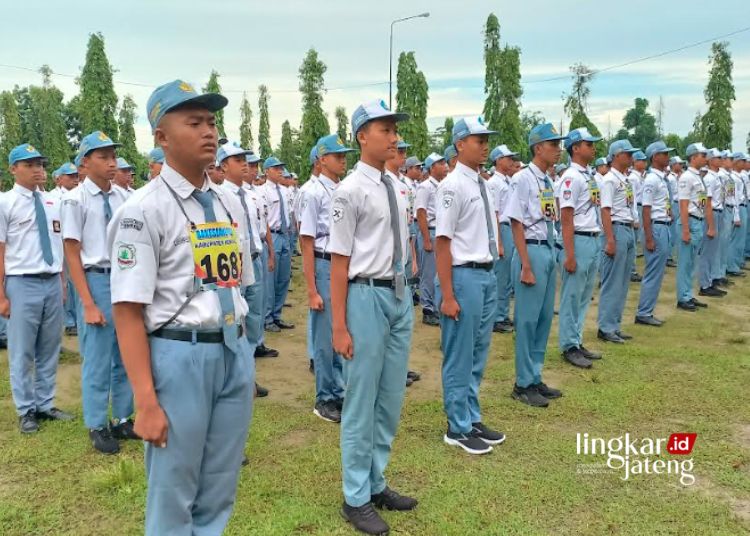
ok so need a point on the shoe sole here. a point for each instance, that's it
(343, 514)
(493, 441)
(319, 415)
(455, 443)
(514, 396)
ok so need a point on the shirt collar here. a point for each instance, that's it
(231, 186)
(434, 181)
(473, 174)
(22, 190)
(617, 174)
(370, 172)
(694, 171)
(327, 182)
(180, 184)
(91, 187)
(659, 173)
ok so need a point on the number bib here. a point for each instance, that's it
(629, 194)
(547, 199)
(216, 254)
(702, 198)
(596, 196)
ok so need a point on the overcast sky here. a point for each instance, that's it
(249, 43)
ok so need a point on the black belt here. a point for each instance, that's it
(278, 231)
(430, 228)
(97, 270)
(412, 281)
(743, 204)
(538, 242)
(505, 223)
(587, 233)
(696, 217)
(657, 222)
(187, 335)
(385, 283)
(475, 265)
(559, 246)
(730, 206)
(639, 204)
(35, 276)
(625, 223)
(719, 210)
(321, 255)
(254, 255)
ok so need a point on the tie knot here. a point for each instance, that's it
(204, 198)
(36, 194)
(241, 192)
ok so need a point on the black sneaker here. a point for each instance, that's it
(671, 264)
(327, 410)
(339, 404)
(54, 414)
(635, 277)
(260, 392)
(698, 303)
(711, 292)
(487, 434)
(430, 320)
(409, 381)
(686, 306)
(272, 328)
(311, 367)
(471, 443)
(265, 351)
(392, 500)
(124, 430)
(546, 391)
(574, 356)
(71, 331)
(283, 325)
(103, 441)
(415, 376)
(529, 396)
(28, 423)
(502, 327)
(717, 289)
(588, 354)
(365, 519)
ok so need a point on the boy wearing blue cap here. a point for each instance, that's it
(735, 193)
(466, 249)
(179, 312)
(66, 178)
(532, 211)
(123, 180)
(675, 170)
(579, 199)
(315, 238)
(155, 162)
(31, 257)
(619, 215)
(280, 222)
(372, 316)
(501, 185)
(86, 212)
(656, 221)
(709, 257)
(695, 211)
(425, 206)
(451, 156)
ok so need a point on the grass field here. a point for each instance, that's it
(691, 375)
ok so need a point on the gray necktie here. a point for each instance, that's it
(41, 223)
(488, 217)
(229, 326)
(282, 210)
(107, 207)
(253, 247)
(398, 254)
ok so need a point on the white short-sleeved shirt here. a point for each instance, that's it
(426, 199)
(411, 195)
(502, 185)
(715, 189)
(315, 215)
(20, 233)
(252, 210)
(656, 195)
(460, 215)
(576, 191)
(617, 195)
(124, 192)
(275, 193)
(741, 187)
(525, 203)
(361, 224)
(636, 179)
(57, 192)
(673, 185)
(159, 269)
(692, 189)
(83, 220)
(746, 186)
(261, 205)
(301, 194)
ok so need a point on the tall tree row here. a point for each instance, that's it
(411, 98)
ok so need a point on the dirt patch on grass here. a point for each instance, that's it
(68, 394)
(740, 506)
(298, 438)
(743, 435)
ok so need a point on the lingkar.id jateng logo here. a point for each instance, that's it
(634, 457)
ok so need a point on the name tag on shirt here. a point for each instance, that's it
(216, 254)
(547, 200)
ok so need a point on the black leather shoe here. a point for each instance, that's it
(635, 277)
(648, 321)
(311, 367)
(529, 396)
(27, 422)
(260, 392)
(54, 414)
(588, 354)
(575, 357)
(736, 274)
(698, 303)
(392, 500)
(283, 325)
(103, 441)
(502, 327)
(623, 336)
(711, 292)
(719, 290)
(430, 319)
(265, 351)
(671, 264)
(365, 519)
(686, 306)
(71, 331)
(272, 328)
(3, 343)
(610, 337)
(415, 376)
(124, 430)
(546, 391)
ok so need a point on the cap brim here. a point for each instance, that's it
(213, 102)
(31, 157)
(341, 151)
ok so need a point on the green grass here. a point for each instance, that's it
(690, 375)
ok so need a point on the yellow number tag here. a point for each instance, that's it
(702, 199)
(596, 196)
(216, 254)
(547, 199)
(629, 194)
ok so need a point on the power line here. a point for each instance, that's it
(385, 82)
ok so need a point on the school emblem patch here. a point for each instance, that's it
(566, 194)
(337, 213)
(447, 199)
(126, 256)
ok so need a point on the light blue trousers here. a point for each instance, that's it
(427, 281)
(465, 344)
(71, 304)
(381, 329)
(747, 234)
(656, 265)
(727, 222)
(737, 243)
(576, 290)
(533, 312)
(502, 274)
(615, 276)
(206, 392)
(34, 338)
(675, 237)
(254, 296)
(281, 275)
(103, 375)
(329, 381)
(686, 263)
(709, 261)
(3, 328)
